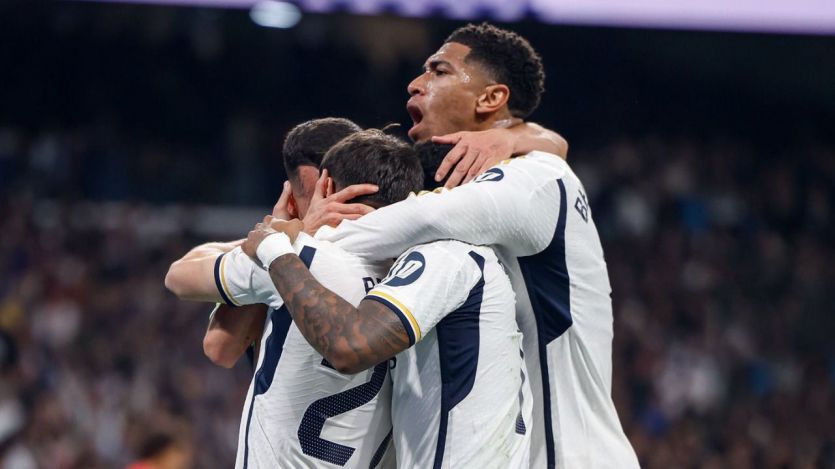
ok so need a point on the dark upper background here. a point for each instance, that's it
(709, 160)
(164, 94)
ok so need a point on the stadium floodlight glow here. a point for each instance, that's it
(275, 14)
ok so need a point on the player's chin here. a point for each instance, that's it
(419, 133)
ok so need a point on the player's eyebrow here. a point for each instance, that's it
(433, 64)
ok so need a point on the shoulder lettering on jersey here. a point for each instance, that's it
(407, 270)
(582, 206)
(492, 174)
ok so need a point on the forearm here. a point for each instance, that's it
(533, 137)
(389, 231)
(192, 276)
(350, 339)
(231, 331)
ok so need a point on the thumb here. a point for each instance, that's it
(320, 192)
(450, 139)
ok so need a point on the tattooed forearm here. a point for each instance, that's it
(351, 339)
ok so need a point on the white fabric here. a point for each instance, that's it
(466, 362)
(272, 247)
(516, 208)
(270, 437)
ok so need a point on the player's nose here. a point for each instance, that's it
(416, 86)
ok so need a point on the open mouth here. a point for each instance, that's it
(417, 116)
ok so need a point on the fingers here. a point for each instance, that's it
(320, 192)
(475, 168)
(450, 160)
(449, 139)
(280, 208)
(335, 219)
(330, 186)
(352, 209)
(481, 166)
(352, 192)
(461, 169)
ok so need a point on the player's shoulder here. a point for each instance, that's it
(449, 253)
(324, 255)
(530, 170)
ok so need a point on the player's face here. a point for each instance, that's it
(443, 98)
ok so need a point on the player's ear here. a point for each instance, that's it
(291, 207)
(493, 99)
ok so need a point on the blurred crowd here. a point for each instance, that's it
(721, 260)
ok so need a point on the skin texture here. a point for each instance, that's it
(192, 276)
(351, 338)
(231, 331)
(302, 188)
(452, 94)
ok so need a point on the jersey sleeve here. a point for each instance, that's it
(424, 285)
(240, 281)
(502, 207)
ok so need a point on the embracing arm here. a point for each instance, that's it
(351, 338)
(192, 277)
(534, 137)
(231, 331)
(475, 152)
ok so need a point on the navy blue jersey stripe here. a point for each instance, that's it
(547, 282)
(398, 313)
(381, 451)
(281, 321)
(313, 421)
(219, 283)
(306, 255)
(521, 429)
(458, 345)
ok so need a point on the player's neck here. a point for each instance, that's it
(498, 120)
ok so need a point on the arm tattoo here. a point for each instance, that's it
(350, 338)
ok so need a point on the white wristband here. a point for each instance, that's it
(273, 247)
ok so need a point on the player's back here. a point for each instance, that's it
(461, 396)
(534, 212)
(300, 412)
(564, 308)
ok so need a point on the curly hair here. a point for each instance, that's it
(510, 59)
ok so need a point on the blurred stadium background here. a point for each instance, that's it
(130, 132)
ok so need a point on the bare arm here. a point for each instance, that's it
(476, 152)
(533, 137)
(351, 338)
(192, 278)
(231, 331)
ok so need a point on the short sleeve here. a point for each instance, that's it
(242, 282)
(427, 283)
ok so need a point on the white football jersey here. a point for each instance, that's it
(299, 411)
(533, 210)
(461, 396)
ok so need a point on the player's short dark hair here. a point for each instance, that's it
(431, 155)
(371, 156)
(510, 59)
(307, 143)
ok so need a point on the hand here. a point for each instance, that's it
(330, 209)
(256, 236)
(284, 209)
(291, 228)
(474, 153)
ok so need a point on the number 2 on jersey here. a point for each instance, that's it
(321, 410)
